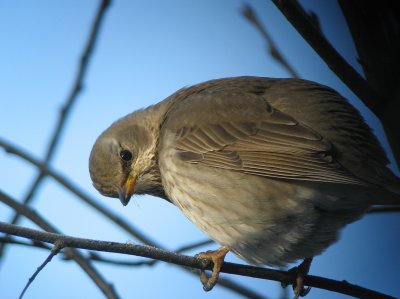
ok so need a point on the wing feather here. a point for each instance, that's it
(277, 147)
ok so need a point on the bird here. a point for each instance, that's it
(271, 169)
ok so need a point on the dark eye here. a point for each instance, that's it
(125, 155)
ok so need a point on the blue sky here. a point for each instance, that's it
(146, 51)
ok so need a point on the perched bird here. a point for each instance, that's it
(271, 169)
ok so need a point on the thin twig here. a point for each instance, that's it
(273, 50)
(188, 261)
(296, 15)
(58, 245)
(70, 101)
(85, 264)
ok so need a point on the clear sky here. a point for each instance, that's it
(146, 51)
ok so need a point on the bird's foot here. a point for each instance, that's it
(216, 257)
(301, 272)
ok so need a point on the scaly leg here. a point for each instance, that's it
(302, 271)
(217, 258)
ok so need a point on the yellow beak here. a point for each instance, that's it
(127, 189)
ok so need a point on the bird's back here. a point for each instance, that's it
(316, 106)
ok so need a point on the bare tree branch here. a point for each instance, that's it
(71, 99)
(56, 249)
(187, 261)
(85, 264)
(375, 210)
(245, 292)
(97, 257)
(273, 50)
(384, 107)
(375, 31)
(300, 20)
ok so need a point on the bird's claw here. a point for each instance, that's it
(303, 292)
(216, 257)
(301, 272)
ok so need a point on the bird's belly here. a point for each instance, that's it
(263, 221)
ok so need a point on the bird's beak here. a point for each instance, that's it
(126, 191)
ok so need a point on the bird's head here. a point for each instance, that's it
(123, 160)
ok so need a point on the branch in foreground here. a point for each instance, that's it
(248, 293)
(97, 257)
(251, 16)
(299, 19)
(120, 222)
(187, 261)
(83, 66)
(245, 292)
(85, 264)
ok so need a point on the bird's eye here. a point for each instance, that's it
(125, 155)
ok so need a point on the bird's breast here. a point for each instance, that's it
(264, 221)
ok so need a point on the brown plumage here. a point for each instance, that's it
(271, 169)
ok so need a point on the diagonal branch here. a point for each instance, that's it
(78, 84)
(375, 32)
(296, 15)
(71, 99)
(187, 261)
(86, 266)
(384, 106)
